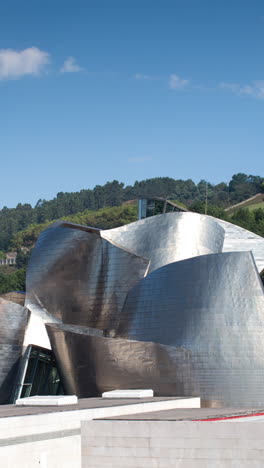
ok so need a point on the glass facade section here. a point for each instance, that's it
(38, 374)
(150, 207)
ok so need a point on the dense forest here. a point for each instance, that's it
(104, 207)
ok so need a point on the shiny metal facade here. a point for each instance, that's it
(81, 275)
(169, 237)
(238, 239)
(13, 319)
(207, 291)
(172, 312)
(213, 307)
(90, 365)
(80, 278)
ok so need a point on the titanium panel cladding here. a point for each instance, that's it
(238, 239)
(80, 278)
(213, 306)
(170, 237)
(90, 365)
(13, 318)
(192, 327)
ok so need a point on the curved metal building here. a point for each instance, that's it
(170, 237)
(207, 293)
(238, 239)
(172, 312)
(81, 275)
(206, 345)
(13, 319)
(80, 278)
(212, 306)
(90, 365)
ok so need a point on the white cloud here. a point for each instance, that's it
(255, 89)
(140, 159)
(176, 82)
(70, 66)
(15, 64)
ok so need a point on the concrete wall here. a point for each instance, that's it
(53, 440)
(49, 451)
(41, 441)
(164, 444)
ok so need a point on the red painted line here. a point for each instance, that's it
(230, 417)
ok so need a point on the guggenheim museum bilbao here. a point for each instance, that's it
(172, 302)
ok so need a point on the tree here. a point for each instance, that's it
(13, 282)
(22, 259)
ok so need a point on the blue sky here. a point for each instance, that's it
(96, 90)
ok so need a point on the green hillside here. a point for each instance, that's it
(256, 206)
(253, 203)
(105, 218)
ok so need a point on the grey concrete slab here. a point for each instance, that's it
(7, 411)
(188, 414)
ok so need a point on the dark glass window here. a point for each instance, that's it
(38, 374)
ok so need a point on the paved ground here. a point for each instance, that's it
(7, 411)
(188, 414)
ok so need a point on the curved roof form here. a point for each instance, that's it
(238, 239)
(212, 306)
(193, 293)
(169, 237)
(80, 278)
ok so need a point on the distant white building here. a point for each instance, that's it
(10, 259)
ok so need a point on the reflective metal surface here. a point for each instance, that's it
(81, 275)
(13, 319)
(238, 239)
(166, 309)
(80, 278)
(90, 365)
(213, 307)
(170, 237)
(216, 338)
(168, 305)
